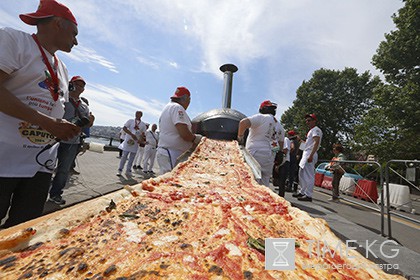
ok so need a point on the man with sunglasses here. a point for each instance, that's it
(33, 89)
(309, 159)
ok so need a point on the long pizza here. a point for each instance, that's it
(207, 219)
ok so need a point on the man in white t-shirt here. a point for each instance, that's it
(33, 89)
(152, 139)
(134, 129)
(175, 136)
(309, 159)
(265, 137)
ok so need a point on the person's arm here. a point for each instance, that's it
(12, 106)
(244, 124)
(315, 148)
(126, 130)
(285, 148)
(91, 119)
(187, 135)
(184, 132)
(292, 146)
(142, 139)
(281, 144)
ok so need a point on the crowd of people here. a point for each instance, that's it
(278, 155)
(138, 143)
(43, 117)
(143, 144)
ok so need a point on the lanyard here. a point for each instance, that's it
(53, 74)
(136, 124)
(76, 103)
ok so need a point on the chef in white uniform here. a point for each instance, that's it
(265, 137)
(309, 159)
(176, 136)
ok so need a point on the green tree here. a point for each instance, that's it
(392, 129)
(338, 98)
(398, 57)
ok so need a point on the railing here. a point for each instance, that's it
(109, 139)
(387, 168)
(381, 182)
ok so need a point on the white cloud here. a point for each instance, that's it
(275, 43)
(173, 64)
(334, 33)
(114, 106)
(88, 55)
(147, 62)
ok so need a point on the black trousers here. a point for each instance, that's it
(24, 196)
(336, 184)
(280, 176)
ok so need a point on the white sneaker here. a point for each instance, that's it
(119, 172)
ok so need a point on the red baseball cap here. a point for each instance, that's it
(47, 9)
(268, 103)
(181, 91)
(312, 116)
(77, 78)
(291, 133)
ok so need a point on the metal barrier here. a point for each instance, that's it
(381, 183)
(387, 168)
(106, 138)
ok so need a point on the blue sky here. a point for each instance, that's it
(133, 54)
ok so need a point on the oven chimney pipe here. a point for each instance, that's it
(228, 70)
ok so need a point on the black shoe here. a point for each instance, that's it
(305, 198)
(296, 194)
(288, 190)
(139, 167)
(57, 199)
(74, 172)
(134, 166)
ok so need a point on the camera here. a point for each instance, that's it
(71, 87)
(80, 122)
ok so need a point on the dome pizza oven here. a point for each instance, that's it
(222, 123)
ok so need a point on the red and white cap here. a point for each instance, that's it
(268, 103)
(47, 9)
(77, 78)
(181, 91)
(312, 116)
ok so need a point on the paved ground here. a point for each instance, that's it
(348, 220)
(97, 177)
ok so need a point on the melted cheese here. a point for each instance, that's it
(134, 234)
